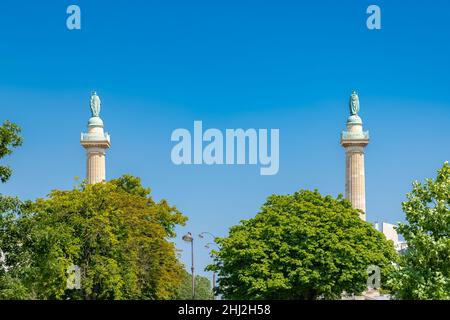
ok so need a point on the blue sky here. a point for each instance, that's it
(160, 65)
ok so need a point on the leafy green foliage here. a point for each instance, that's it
(10, 286)
(424, 269)
(113, 231)
(300, 246)
(9, 139)
(203, 290)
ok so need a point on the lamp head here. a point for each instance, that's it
(188, 237)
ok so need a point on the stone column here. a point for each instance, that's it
(355, 184)
(354, 140)
(96, 171)
(95, 141)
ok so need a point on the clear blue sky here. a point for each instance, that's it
(160, 65)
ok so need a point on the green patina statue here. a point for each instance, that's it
(95, 104)
(354, 103)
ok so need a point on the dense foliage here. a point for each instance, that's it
(9, 138)
(424, 270)
(114, 232)
(203, 290)
(300, 246)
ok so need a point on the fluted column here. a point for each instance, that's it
(96, 165)
(355, 184)
(95, 141)
(354, 140)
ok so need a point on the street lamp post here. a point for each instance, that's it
(189, 238)
(214, 285)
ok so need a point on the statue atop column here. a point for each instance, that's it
(95, 104)
(354, 103)
(96, 141)
(355, 140)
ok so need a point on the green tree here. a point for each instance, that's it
(113, 231)
(424, 269)
(9, 207)
(300, 246)
(10, 285)
(9, 139)
(203, 290)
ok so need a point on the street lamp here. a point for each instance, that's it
(189, 238)
(201, 235)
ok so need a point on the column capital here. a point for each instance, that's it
(354, 149)
(355, 138)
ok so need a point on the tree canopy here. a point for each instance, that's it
(203, 290)
(300, 246)
(9, 138)
(113, 231)
(424, 269)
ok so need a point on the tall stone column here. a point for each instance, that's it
(95, 141)
(354, 140)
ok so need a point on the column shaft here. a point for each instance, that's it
(96, 171)
(355, 189)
